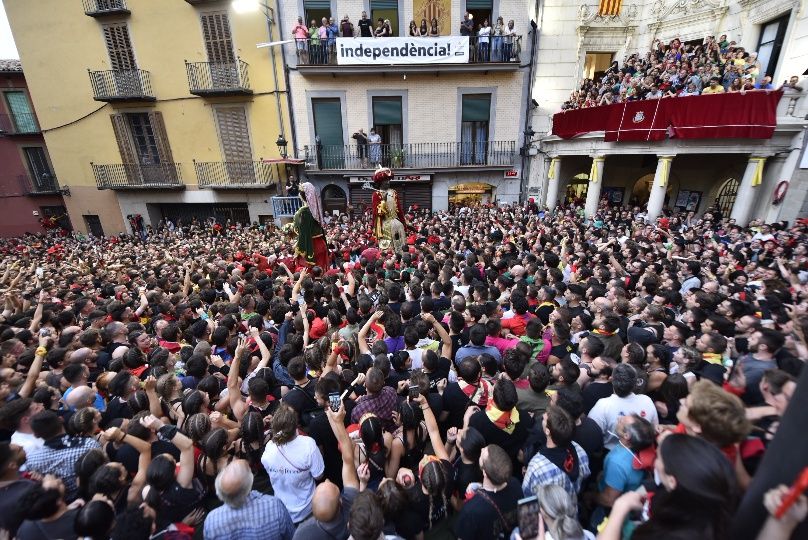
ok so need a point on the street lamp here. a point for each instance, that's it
(281, 143)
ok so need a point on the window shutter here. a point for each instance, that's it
(119, 47)
(159, 130)
(218, 41)
(383, 4)
(317, 4)
(126, 147)
(476, 108)
(480, 4)
(234, 133)
(386, 111)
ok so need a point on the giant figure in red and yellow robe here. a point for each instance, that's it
(388, 216)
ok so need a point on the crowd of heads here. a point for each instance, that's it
(196, 376)
(677, 69)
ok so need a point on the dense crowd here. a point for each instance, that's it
(194, 382)
(678, 69)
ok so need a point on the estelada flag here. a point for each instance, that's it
(610, 8)
(645, 120)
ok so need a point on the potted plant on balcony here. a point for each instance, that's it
(398, 158)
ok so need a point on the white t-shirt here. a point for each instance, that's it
(28, 441)
(292, 469)
(607, 411)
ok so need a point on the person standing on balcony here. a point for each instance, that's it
(413, 30)
(301, 36)
(467, 25)
(332, 30)
(314, 42)
(346, 27)
(483, 35)
(508, 34)
(497, 32)
(379, 32)
(375, 144)
(423, 30)
(361, 147)
(365, 26)
(322, 34)
(434, 29)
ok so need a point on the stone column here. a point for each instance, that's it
(748, 190)
(553, 178)
(595, 182)
(784, 166)
(659, 188)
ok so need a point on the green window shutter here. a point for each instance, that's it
(476, 108)
(383, 4)
(328, 127)
(317, 4)
(480, 4)
(386, 111)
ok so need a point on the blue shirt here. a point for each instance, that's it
(99, 402)
(618, 471)
(475, 350)
(262, 517)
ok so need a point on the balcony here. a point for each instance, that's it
(447, 155)
(201, 2)
(215, 79)
(134, 176)
(102, 8)
(316, 57)
(19, 124)
(285, 207)
(46, 184)
(234, 174)
(121, 85)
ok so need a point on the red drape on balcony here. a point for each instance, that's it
(727, 116)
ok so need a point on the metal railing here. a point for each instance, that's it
(18, 124)
(44, 184)
(482, 50)
(411, 156)
(285, 206)
(121, 85)
(135, 175)
(206, 78)
(234, 173)
(94, 8)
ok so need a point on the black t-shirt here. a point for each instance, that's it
(421, 505)
(116, 408)
(594, 391)
(11, 515)
(562, 351)
(455, 402)
(301, 398)
(490, 515)
(590, 437)
(510, 442)
(128, 456)
(320, 430)
(59, 528)
(464, 474)
(365, 28)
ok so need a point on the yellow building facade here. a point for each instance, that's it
(159, 108)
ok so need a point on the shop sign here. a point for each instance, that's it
(512, 173)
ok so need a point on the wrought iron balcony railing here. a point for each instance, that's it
(44, 184)
(411, 156)
(491, 50)
(137, 176)
(122, 85)
(200, 2)
(218, 79)
(18, 124)
(234, 174)
(100, 8)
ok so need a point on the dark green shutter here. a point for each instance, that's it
(316, 4)
(328, 126)
(383, 4)
(479, 4)
(386, 111)
(476, 108)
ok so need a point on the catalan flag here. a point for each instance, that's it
(610, 8)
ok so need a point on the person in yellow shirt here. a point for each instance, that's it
(714, 88)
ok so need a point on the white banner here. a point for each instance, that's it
(402, 50)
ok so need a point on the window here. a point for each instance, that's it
(93, 224)
(144, 148)
(21, 113)
(481, 10)
(474, 129)
(596, 64)
(328, 132)
(60, 213)
(316, 10)
(388, 124)
(119, 47)
(770, 44)
(386, 10)
(235, 138)
(41, 175)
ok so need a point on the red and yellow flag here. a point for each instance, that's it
(610, 8)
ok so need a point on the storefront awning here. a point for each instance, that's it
(284, 161)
